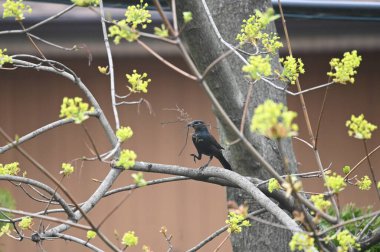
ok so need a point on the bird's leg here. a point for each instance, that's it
(199, 157)
(204, 166)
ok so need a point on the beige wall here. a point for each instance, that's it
(190, 210)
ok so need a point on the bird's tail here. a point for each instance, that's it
(224, 162)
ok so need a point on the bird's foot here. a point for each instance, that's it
(203, 167)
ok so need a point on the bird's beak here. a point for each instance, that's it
(190, 124)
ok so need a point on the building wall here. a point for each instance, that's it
(190, 210)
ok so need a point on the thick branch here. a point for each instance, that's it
(233, 177)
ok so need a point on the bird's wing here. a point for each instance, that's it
(214, 142)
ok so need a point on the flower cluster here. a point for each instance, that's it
(187, 16)
(121, 30)
(273, 120)
(16, 9)
(126, 159)
(127, 28)
(346, 169)
(76, 109)
(292, 69)
(25, 223)
(258, 66)
(4, 58)
(139, 82)
(161, 31)
(86, 3)
(129, 239)
(10, 169)
(6, 229)
(270, 42)
(343, 70)
(320, 202)
(251, 29)
(346, 241)
(302, 242)
(67, 169)
(364, 183)
(138, 179)
(335, 182)
(91, 234)
(236, 221)
(359, 127)
(124, 133)
(138, 15)
(273, 185)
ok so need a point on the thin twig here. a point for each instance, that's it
(63, 189)
(110, 65)
(175, 68)
(40, 23)
(114, 209)
(220, 231)
(222, 242)
(320, 117)
(246, 104)
(38, 216)
(371, 169)
(306, 114)
(344, 223)
(361, 161)
(164, 18)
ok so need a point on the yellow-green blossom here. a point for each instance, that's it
(320, 202)
(257, 67)
(161, 32)
(378, 185)
(139, 82)
(4, 58)
(5, 229)
(236, 221)
(344, 70)
(130, 239)
(138, 15)
(124, 133)
(251, 29)
(10, 169)
(67, 169)
(274, 120)
(76, 109)
(121, 30)
(25, 223)
(273, 185)
(302, 242)
(292, 69)
(346, 241)
(270, 41)
(364, 183)
(91, 234)
(359, 127)
(346, 169)
(103, 70)
(187, 16)
(335, 182)
(126, 159)
(138, 179)
(86, 3)
(16, 9)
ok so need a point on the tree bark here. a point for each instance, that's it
(230, 87)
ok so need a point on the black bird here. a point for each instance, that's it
(206, 144)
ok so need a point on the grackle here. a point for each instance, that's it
(206, 144)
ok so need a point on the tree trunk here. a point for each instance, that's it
(230, 87)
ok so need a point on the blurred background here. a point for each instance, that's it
(190, 210)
